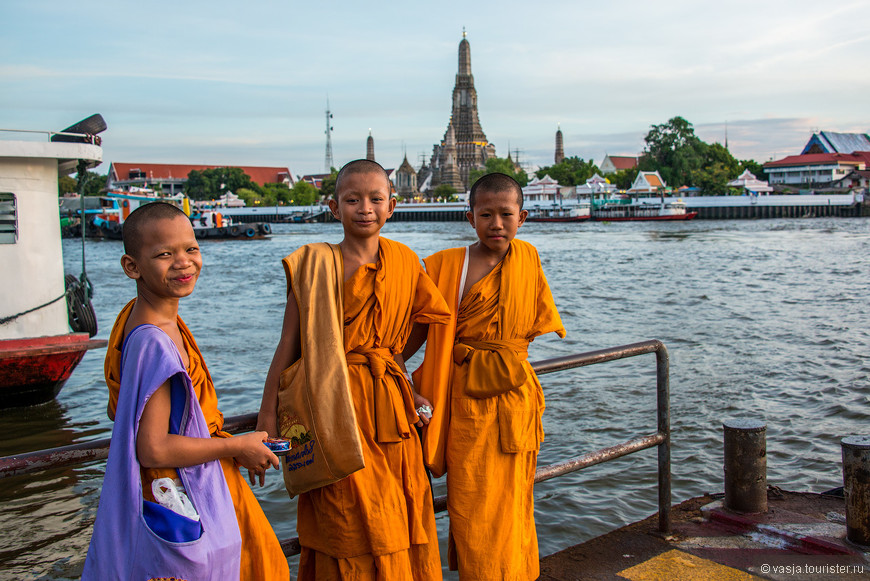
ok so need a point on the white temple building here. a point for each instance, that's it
(751, 184)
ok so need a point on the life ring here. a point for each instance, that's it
(265, 228)
(235, 231)
(250, 232)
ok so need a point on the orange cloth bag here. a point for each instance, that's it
(315, 410)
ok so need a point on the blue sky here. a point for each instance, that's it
(246, 83)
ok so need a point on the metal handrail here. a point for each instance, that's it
(49, 134)
(99, 449)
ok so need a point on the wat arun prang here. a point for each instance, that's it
(464, 146)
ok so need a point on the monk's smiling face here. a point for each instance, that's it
(496, 218)
(167, 262)
(363, 203)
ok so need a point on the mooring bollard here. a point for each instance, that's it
(856, 487)
(745, 466)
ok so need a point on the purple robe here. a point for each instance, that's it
(123, 545)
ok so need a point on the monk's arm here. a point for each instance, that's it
(157, 448)
(415, 340)
(288, 351)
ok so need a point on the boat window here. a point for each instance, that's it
(8, 219)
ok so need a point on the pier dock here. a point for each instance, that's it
(707, 207)
(802, 537)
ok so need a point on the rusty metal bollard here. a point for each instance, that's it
(745, 466)
(856, 487)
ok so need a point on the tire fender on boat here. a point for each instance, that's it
(235, 231)
(250, 232)
(265, 228)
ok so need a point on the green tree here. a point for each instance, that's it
(94, 183)
(327, 186)
(623, 178)
(198, 186)
(444, 191)
(279, 192)
(674, 151)
(499, 165)
(571, 171)
(66, 185)
(212, 183)
(303, 194)
(250, 197)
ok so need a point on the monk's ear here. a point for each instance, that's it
(392, 205)
(333, 207)
(470, 217)
(523, 215)
(131, 268)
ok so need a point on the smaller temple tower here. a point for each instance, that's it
(406, 180)
(450, 170)
(370, 147)
(560, 151)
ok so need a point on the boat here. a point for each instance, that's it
(560, 213)
(642, 209)
(116, 205)
(48, 320)
(211, 224)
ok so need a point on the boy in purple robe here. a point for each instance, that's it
(159, 424)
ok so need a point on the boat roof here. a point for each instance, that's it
(29, 145)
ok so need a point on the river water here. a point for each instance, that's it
(763, 319)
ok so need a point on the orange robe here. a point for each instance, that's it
(488, 446)
(378, 523)
(262, 557)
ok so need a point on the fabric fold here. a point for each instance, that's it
(494, 367)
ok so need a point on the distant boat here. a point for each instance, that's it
(574, 213)
(643, 209)
(207, 224)
(47, 318)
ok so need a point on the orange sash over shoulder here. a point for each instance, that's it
(521, 279)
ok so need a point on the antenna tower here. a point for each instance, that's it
(328, 162)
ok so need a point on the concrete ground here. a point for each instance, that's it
(802, 537)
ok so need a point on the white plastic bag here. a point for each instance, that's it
(170, 494)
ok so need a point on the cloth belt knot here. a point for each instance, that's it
(393, 409)
(494, 367)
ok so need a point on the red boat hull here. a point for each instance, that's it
(33, 370)
(569, 219)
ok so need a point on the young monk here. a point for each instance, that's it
(162, 256)
(378, 522)
(486, 427)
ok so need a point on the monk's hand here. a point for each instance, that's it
(424, 410)
(255, 456)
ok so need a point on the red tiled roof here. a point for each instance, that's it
(821, 159)
(653, 180)
(623, 162)
(163, 171)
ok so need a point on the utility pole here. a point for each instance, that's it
(328, 161)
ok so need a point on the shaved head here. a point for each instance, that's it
(357, 167)
(494, 183)
(139, 220)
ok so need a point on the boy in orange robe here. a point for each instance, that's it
(378, 522)
(486, 428)
(262, 557)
